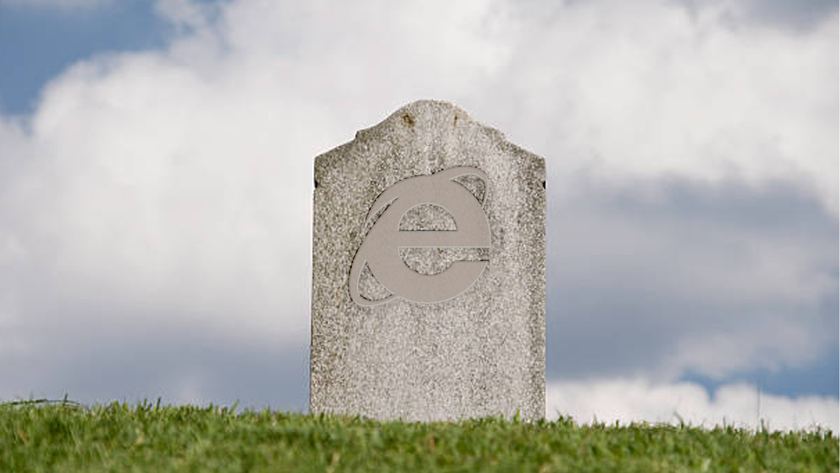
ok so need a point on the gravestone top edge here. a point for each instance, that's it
(427, 116)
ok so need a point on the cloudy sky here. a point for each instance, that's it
(156, 180)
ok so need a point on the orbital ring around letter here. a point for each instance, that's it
(380, 249)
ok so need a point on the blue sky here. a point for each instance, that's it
(39, 42)
(156, 161)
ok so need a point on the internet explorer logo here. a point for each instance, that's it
(380, 248)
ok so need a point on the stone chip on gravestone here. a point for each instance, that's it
(428, 272)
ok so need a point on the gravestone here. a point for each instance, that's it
(428, 272)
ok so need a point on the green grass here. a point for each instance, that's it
(122, 438)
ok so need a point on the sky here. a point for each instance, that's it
(156, 183)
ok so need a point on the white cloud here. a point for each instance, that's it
(637, 400)
(715, 279)
(187, 13)
(648, 89)
(169, 191)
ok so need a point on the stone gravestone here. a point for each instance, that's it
(428, 272)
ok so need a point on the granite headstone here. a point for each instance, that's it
(428, 272)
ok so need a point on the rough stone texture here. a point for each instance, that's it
(479, 354)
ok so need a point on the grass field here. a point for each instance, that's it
(38, 437)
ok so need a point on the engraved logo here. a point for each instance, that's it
(380, 249)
